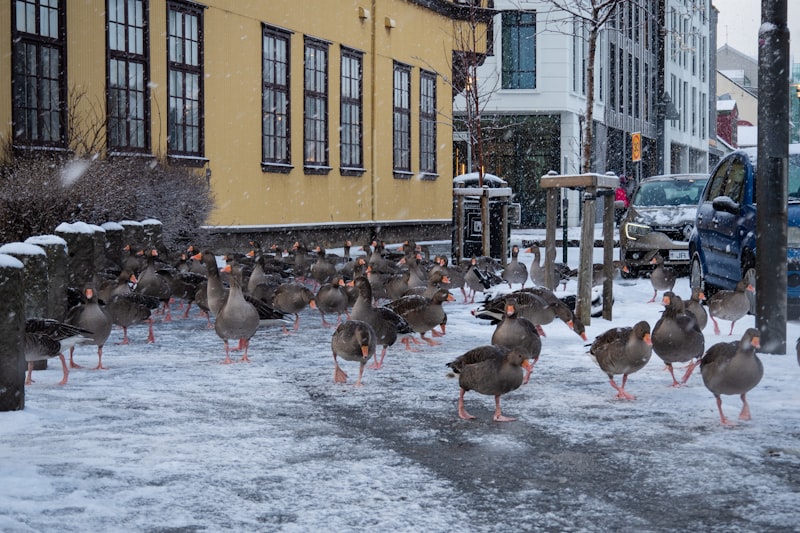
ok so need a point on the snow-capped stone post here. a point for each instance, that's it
(80, 252)
(99, 239)
(57, 273)
(154, 235)
(12, 334)
(115, 242)
(34, 275)
(133, 233)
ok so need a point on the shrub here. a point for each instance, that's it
(39, 192)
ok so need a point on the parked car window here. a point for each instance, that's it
(734, 186)
(717, 184)
(672, 192)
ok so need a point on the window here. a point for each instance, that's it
(427, 123)
(185, 81)
(401, 129)
(519, 50)
(315, 131)
(128, 76)
(38, 79)
(275, 123)
(351, 143)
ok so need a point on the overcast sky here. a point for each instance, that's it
(739, 21)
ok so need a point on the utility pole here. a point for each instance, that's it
(771, 177)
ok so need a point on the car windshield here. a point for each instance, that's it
(669, 192)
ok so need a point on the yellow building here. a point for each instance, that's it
(307, 116)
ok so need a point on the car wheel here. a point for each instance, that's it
(696, 275)
(750, 276)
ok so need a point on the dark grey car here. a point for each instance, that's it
(660, 220)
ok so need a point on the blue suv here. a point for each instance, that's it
(723, 243)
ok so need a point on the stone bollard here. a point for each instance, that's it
(115, 243)
(12, 335)
(34, 276)
(57, 273)
(154, 236)
(99, 238)
(80, 252)
(133, 233)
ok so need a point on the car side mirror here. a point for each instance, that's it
(726, 204)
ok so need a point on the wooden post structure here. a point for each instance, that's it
(590, 184)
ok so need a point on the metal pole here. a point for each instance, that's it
(564, 230)
(772, 178)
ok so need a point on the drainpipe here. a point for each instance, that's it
(374, 107)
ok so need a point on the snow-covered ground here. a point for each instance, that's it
(169, 439)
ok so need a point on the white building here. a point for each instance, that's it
(533, 94)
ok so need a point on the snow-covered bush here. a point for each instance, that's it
(38, 192)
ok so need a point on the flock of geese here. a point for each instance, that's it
(381, 297)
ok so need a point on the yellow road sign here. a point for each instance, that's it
(636, 146)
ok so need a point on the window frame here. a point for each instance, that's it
(55, 41)
(427, 125)
(182, 154)
(315, 90)
(280, 142)
(401, 121)
(127, 58)
(351, 116)
(512, 74)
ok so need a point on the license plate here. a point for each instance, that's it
(679, 255)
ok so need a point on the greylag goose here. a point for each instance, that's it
(677, 337)
(662, 278)
(422, 314)
(215, 290)
(730, 305)
(128, 309)
(291, 298)
(479, 279)
(622, 351)
(491, 370)
(322, 270)
(696, 307)
(454, 274)
(332, 298)
(561, 272)
(515, 272)
(353, 340)
(237, 318)
(46, 338)
(153, 283)
(733, 368)
(90, 316)
(539, 305)
(515, 331)
(301, 264)
(387, 324)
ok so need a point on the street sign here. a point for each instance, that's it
(636, 146)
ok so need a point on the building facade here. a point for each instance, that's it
(297, 122)
(651, 76)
